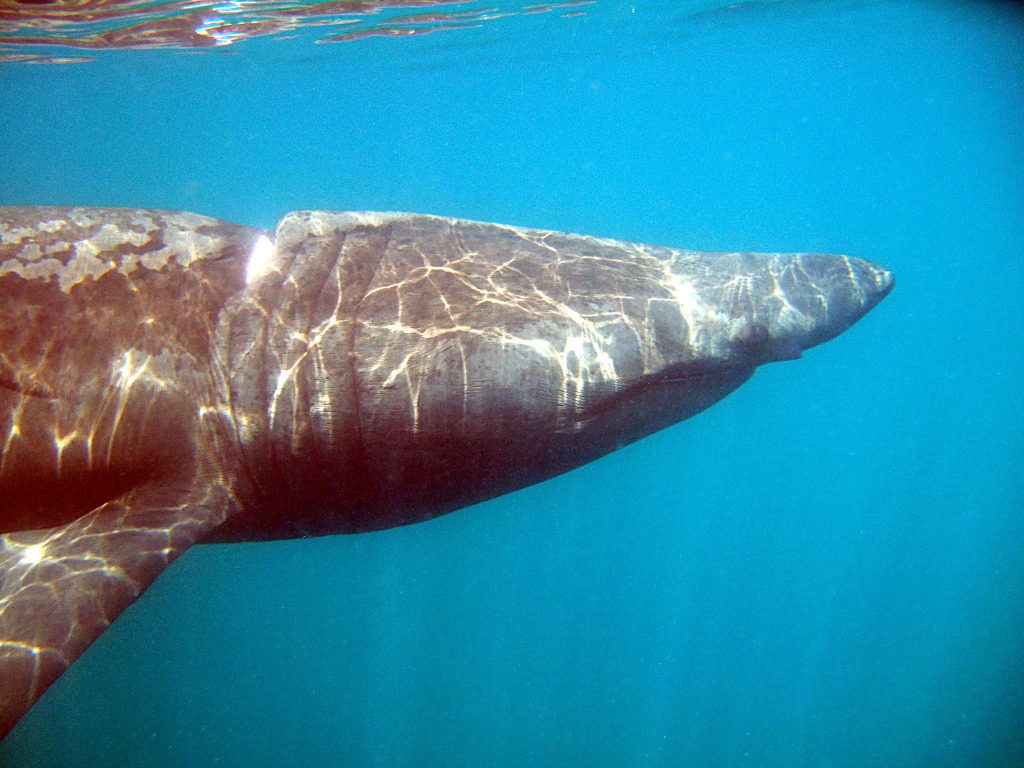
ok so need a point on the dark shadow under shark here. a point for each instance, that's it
(161, 385)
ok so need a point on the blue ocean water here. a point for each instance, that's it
(825, 570)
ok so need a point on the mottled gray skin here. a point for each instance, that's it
(381, 369)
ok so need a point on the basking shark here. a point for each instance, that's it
(168, 379)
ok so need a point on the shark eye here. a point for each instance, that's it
(753, 336)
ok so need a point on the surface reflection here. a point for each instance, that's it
(207, 24)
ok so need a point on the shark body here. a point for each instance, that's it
(168, 379)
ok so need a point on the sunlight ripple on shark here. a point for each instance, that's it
(168, 379)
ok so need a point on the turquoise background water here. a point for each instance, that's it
(825, 569)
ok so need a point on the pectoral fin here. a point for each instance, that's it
(61, 587)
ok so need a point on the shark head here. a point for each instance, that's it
(413, 364)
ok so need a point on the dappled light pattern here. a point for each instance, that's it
(113, 453)
(400, 348)
(167, 378)
(209, 24)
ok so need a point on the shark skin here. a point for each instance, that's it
(160, 387)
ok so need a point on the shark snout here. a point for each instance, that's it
(835, 292)
(874, 281)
